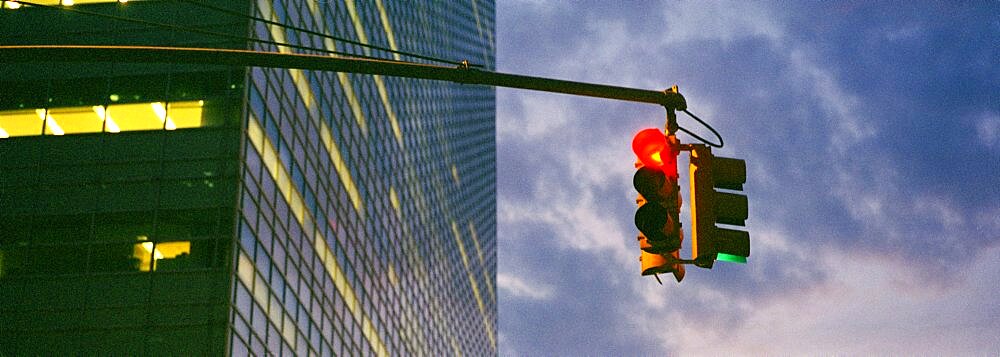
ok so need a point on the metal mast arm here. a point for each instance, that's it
(461, 74)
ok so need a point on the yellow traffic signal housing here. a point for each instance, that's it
(658, 215)
(659, 201)
(710, 207)
(653, 263)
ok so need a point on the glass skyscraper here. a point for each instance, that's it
(202, 209)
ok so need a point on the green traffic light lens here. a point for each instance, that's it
(731, 258)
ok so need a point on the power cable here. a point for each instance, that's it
(703, 123)
(320, 34)
(199, 31)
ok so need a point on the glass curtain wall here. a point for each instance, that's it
(367, 222)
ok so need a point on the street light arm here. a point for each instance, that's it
(461, 74)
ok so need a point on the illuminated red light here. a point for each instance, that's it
(650, 146)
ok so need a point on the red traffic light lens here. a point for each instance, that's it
(650, 146)
(647, 145)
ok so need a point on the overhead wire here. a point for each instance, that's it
(184, 29)
(709, 127)
(320, 34)
(207, 32)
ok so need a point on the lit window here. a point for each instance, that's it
(95, 119)
(186, 114)
(51, 126)
(161, 113)
(19, 123)
(135, 116)
(109, 123)
(149, 253)
(74, 120)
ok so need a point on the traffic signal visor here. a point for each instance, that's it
(653, 150)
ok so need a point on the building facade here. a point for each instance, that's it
(179, 209)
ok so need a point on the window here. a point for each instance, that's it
(151, 255)
(19, 123)
(112, 257)
(111, 118)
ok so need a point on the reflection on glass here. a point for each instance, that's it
(161, 113)
(149, 254)
(75, 120)
(51, 126)
(109, 123)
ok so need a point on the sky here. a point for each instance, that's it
(871, 133)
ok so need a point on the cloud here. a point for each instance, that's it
(989, 219)
(838, 106)
(725, 22)
(537, 117)
(988, 130)
(505, 346)
(851, 253)
(939, 209)
(599, 59)
(871, 305)
(903, 32)
(574, 217)
(521, 288)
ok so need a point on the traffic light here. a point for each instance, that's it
(656, 182)
(710, 207)
(658, 215)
